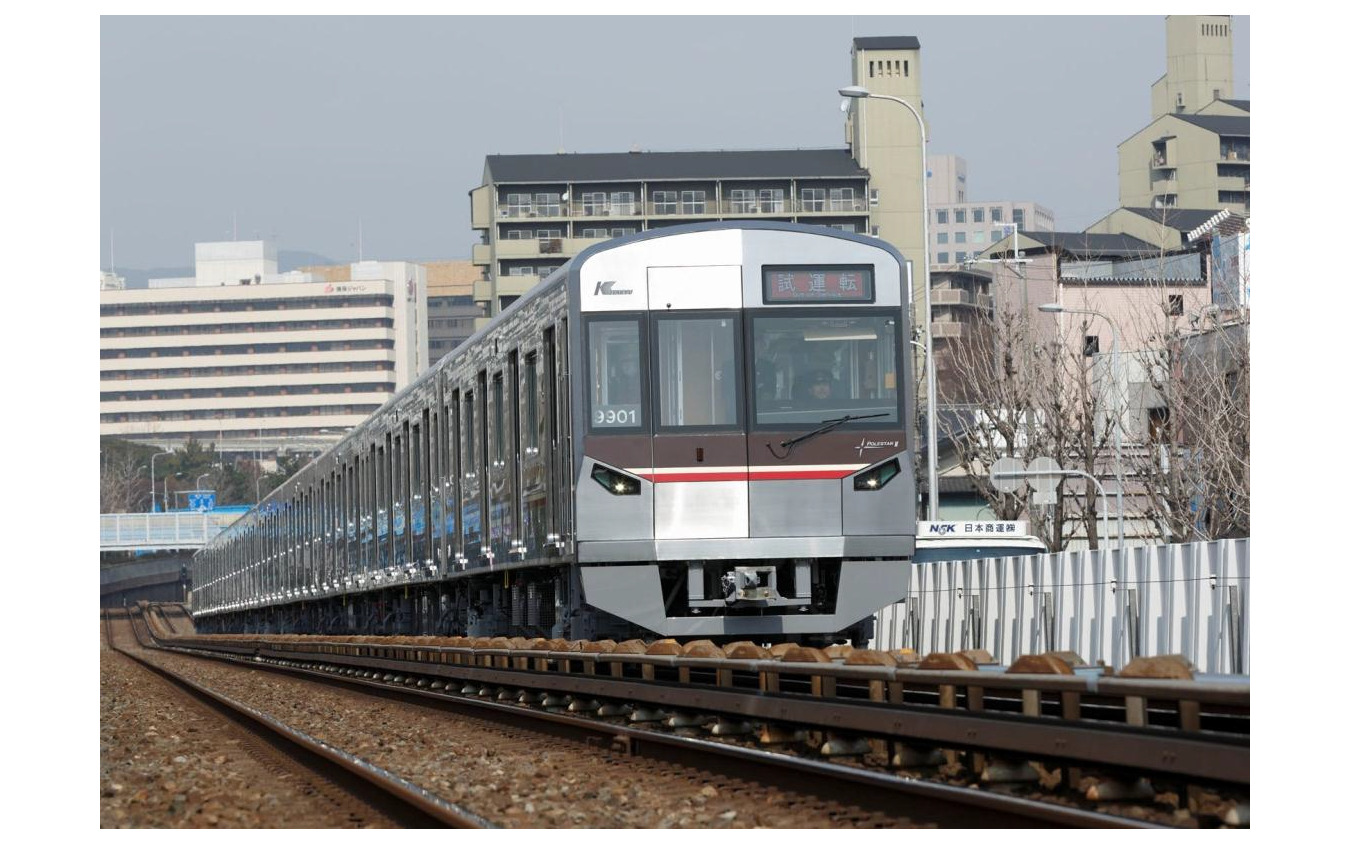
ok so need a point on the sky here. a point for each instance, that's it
(307, 130)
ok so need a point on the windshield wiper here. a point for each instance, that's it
(825, 427)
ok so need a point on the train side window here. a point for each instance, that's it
(469, 429)
(498, 420)
(531, 400)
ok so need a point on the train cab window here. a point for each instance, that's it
(614, 355)
(696, 370)
(809, 369)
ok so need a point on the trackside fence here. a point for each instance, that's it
(1191, 599)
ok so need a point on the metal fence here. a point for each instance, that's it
(1161, 599)
(159, 531)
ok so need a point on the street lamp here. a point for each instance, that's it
(858, 92)
(198, 483)
(166, 489)
(152, 477)
(1055, 308)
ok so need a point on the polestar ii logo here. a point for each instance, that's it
(867, 444)
(607, 288)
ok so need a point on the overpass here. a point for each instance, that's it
(176, 530)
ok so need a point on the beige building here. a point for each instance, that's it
(452, 312)
(1197, 151)
(254, 360)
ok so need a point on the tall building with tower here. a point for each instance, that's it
(1196, 152)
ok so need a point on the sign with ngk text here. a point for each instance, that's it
(939, 529)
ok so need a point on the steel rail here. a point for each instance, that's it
(1219, 758)
(870, 790)
(403, 801)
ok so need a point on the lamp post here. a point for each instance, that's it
(152, 477)
(858, 92)
(166, 489)
(1055, 308)
(198, 483)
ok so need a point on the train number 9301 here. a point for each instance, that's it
(617, 416)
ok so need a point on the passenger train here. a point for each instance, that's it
(698, 431)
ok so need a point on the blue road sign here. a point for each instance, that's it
(201, 501)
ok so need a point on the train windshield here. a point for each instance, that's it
(809, 369)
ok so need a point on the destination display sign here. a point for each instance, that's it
(795, 285)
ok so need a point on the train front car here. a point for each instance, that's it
(742, 414)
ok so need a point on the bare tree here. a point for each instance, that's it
(1075, 429)
(123, 486)
(1195, 473)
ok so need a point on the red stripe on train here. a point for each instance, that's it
(702, 477)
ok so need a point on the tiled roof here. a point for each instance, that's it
(632, 166)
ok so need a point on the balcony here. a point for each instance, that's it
(482, 254)
(951, 297)
(562, 247)
(950, 330)
(707, 208)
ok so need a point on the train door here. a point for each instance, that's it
(698, 442)
(558, 437)
(699, 456)
(533, 478)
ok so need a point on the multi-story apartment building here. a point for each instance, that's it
(250, 359)
(1196, 153)
(536, 211)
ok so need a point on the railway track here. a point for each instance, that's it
(1000, 748)
(353, 788)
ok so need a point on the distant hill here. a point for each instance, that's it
(287, 260)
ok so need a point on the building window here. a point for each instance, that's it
(771, 201)
(996, 215)
(743, 201)
(595, 233)
(813, 199)
(1090, 345)
(620, 231)
(693, 202)
(1018, 218)
(547, 204)
(666, 201)
(960, 237)
(942, 237)
(841, 199)
(960, 215)
(942, 257)
(874, 197)
(960, 257)
(977, 215)
(942, 217)
(622, 202)
(593, 204)
(977, 237)
(518, 205)
(1174, 305)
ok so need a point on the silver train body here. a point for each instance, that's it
(693, 432)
